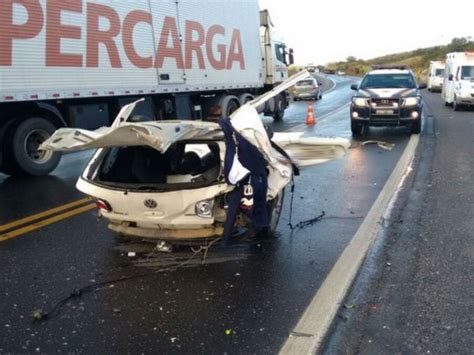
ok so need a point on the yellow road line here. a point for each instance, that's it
(46, 213)
(45, 222)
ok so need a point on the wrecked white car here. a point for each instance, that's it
(182, 181)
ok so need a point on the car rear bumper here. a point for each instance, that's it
(305, 95)
(130, 229)
(465, 100)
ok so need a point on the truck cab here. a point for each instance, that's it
(275, 61)
(276, 56)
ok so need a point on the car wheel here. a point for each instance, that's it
(416, 127)
(456, 105)
(356, 128)
(274, 211)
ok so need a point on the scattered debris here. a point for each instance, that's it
(380, 144)
(308, 222)
(228, 332)
(349, 305)
(131, 254)
(38, 314)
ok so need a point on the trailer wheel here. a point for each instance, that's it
(26, 139)
(8, 165)
(244, 98)
(229, 104)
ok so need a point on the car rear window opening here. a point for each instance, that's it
(305, 83)
(143, 166)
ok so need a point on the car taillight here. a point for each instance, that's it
(103, 205)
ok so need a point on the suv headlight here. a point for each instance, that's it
(361, 102)
(411, 101)
(204, 208)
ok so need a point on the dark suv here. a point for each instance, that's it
(387, 96)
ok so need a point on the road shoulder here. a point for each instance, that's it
(415, 291)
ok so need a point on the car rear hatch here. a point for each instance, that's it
(144, 187)
(305, 87)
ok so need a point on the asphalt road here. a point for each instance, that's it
(242, 300)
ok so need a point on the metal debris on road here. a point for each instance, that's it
(380, 144)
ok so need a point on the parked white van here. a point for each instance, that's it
(436, 75)
(458, 87)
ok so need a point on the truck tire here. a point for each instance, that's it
(27, 137)
(244, 98)
(274, 211)
(279, 108)
(8, 165)
(229, 104)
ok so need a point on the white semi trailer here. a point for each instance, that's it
(75, 63)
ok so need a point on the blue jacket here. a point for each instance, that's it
(252, 159)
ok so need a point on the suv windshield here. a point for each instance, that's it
(379, 81)
(467, 72)
(439, 72)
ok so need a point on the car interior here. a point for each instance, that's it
(181, 163)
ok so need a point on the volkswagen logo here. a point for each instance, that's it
(150, 203)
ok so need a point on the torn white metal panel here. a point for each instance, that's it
(247, 122)
(285, 85)
(157, 134)
(307, 151)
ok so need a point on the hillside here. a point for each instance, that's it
(418, 59)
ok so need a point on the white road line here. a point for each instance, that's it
(329, 79)
(309, 333)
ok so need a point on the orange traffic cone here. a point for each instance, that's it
(310, 119)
